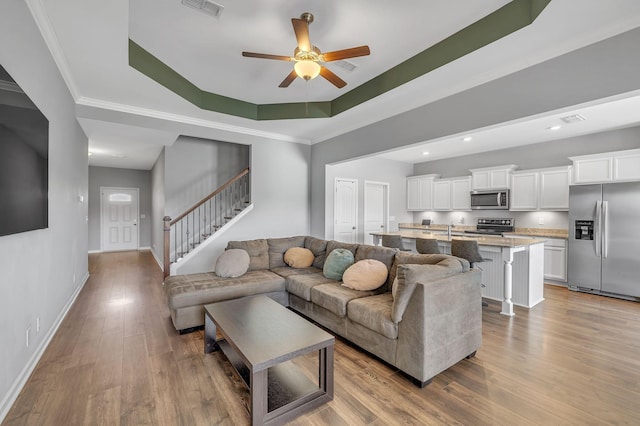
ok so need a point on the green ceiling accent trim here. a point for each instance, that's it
(502, 22)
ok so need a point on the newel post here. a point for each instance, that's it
(167, 244)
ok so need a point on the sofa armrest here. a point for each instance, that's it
(442, 325)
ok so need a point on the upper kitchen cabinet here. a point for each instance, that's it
(452, 194)
(619, 166)
(540, 189)
(420, 192)
(497, 177)
(460, 189)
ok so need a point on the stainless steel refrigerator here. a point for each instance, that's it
(604, 239)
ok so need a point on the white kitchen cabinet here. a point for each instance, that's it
(555, 259)
(524, 191)
(540, 189)
(460, 190)
(452, 194)
(554, 188)
(498, 177)
(420, 192)
(618, 166)
(442, 194)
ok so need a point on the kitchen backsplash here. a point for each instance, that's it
(559, 220)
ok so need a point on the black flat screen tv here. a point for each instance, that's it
(24, 168)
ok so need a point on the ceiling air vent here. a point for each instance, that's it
(345, 65)
(572, 118)
(205, 6)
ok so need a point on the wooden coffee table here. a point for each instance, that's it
(260, 338)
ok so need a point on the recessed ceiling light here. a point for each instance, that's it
(425, 153)
(467, 139)
(556, 127)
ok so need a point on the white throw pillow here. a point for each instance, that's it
(232, 263)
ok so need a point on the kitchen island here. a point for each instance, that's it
(515, 274)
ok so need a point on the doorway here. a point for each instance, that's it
(345, 213)
(119, 218)
(376, 209)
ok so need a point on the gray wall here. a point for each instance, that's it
(601, 70)
(157, 209)
(280, 197)
(370, 169)
(547, 154)
(119, 178)
(195, 167)
(41, 271)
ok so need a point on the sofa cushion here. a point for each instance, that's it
(200, 289)
(319, 249)
(301, 285)
(279, 246)
(334, 297)
(365, 274)
(404, 258)
(337, 262)
(286, 271)
(232, 263)
(299, 257)
(410, 274)
(258, 252)
(332, 245)
(374, 313)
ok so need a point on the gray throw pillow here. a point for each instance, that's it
(337, 262)
(232, 263)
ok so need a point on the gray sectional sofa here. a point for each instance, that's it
(431, 320)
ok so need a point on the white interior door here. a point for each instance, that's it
(345, 226)
(376, 209)
(119, 219)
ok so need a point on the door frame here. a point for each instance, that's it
(387, 187)
(117, 188)
(335, 203)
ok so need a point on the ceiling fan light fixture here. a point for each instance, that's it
(307, 69)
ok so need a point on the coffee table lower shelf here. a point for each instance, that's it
(287, 387)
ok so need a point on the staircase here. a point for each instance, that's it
(193, 227)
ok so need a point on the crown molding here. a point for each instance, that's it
(53, 44)
(183, 119)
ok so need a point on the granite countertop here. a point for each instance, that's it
(532, 232)
(483, 241)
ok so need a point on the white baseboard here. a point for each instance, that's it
(158, 261)
(21, 380)
(94, 251)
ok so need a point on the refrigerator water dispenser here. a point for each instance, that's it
(584, 229)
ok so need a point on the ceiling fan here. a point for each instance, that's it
(308, 58)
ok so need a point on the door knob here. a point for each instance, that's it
(353, 227)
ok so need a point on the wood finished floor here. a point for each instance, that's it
(116, 359)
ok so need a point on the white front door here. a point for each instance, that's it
(119, 218)
(345, 226)
(376, 209)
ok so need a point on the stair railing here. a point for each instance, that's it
(191, 228)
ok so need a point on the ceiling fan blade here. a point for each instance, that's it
(265, 56)
(334, 79)
(301, 28)
(289, 79)
(354, 52)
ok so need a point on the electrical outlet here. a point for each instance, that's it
(541, 220)
(461, 219)
(37, 325)
(27, 336)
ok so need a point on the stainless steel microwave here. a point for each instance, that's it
(495, 199)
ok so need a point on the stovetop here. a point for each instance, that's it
(494, 226)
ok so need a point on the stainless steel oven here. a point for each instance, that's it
(496, 199)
